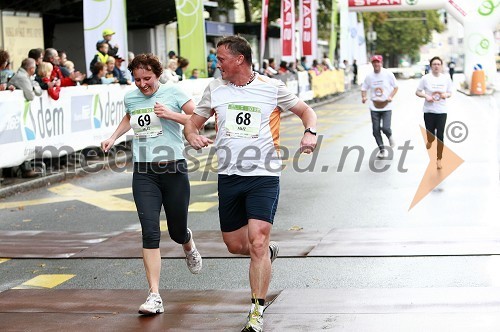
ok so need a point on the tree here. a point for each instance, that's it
(402, 33)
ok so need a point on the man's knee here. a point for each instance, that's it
(234, 247)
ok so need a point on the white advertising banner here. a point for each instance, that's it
(82, 117)
(100, 15)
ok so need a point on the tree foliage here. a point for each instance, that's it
(402, 33)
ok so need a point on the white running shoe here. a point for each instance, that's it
(274, 248)
(193, 258)
(392, 142)
(255, 321)
(382, 154)
(153, 305)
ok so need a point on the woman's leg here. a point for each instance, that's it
(176, 193)
(148, 200)
(430, 126)
(440, 126)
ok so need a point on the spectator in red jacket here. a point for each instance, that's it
(45, 70)
(52, 56)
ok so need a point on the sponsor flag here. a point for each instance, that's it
(263, 29)
(191, 27)
(333, 32)
(104, 15)
(308, 27)
(287, 30)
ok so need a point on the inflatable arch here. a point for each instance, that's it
(479, 18)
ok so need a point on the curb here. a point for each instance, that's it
(48, 180)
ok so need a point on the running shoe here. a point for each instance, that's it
(275, 248)
(392, 142)
(382, 154)
(193, 258)
(153, 305)
(255, 321)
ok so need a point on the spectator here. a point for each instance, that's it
(101, 55)
(327, 63)
(194, 74)
(107, 34)
(98, 72)
(24, 80)
(283, 68)
(303, 63)
(172, 55)
(315, 67)
(183, 64)
(52, 56)
(37, 55)
(70, 66)
(347, 74)
(354, 73)
(272, 64)
(212, 62)
(62, 61)
(53, 84)
(125, 72)
(267, 70)
(451, 68)
(169, 74)
(115, 73)
(5, 72)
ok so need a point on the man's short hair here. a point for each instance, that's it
(237, 45)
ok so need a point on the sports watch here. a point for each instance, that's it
(311, 131)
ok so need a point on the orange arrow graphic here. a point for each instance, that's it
(433, 176)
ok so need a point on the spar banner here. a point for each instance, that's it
(104, 15)
(376, 5)
(333, 32)
(191, 27)
(357, 3)
(287, 30)
(308, 27)
(263, 28)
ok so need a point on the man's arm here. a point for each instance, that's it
(308, 117)
(192, 132)
(393, 93)
(363, 96)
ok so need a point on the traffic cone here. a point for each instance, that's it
(478, 83)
